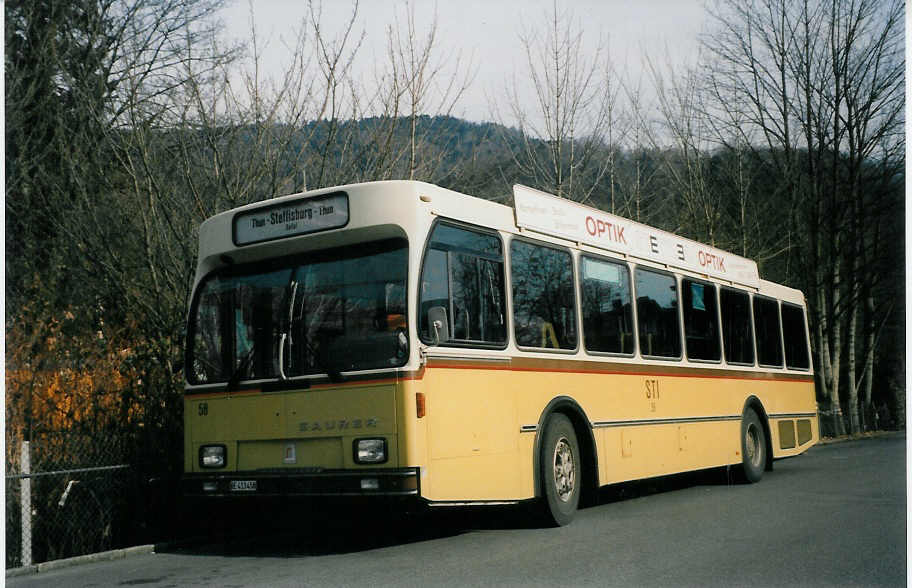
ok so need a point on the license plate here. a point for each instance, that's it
(243, 485)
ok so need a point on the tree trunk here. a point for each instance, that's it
(868, 382)
(854, 423)
(829, 359)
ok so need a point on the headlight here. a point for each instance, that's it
(370, 450)
(212, 456)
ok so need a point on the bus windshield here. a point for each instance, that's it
(331, 311)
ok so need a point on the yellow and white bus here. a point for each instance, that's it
(400, 339)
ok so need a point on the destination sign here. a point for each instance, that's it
(560, 217)
(288, 219)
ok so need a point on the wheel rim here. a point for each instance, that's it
(564, 470)
(752, 444)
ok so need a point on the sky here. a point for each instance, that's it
(486, 33)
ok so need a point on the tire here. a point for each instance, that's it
(753, 447)
(560, 471)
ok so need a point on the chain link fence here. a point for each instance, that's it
(878, 418)
(69, 495)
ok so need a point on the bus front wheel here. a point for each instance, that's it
(560, 471)
(753, 447)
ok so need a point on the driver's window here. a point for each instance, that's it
(463, 274)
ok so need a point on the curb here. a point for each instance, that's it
(112, 555)
(81, 559)
(860, 437)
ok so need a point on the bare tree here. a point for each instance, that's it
(564, 145)
(681, 112)
(418, 77)
(76, 72)
(820, 82)
(637, 183)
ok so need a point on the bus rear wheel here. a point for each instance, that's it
(560, 471)
(753, 447)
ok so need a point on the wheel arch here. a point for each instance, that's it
(753, 403)
(582, 426)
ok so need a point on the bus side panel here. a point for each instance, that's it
(621, 408)
(794, 433)
(630, 452)
(473, 449)
(647, 424)
(653, 423)
(699, 422)
(646, 451)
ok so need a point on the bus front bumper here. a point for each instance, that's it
(367, 482)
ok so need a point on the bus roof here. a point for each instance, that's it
(533, 211)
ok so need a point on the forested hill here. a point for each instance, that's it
(458, 154)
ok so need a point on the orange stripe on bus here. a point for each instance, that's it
(640, 371)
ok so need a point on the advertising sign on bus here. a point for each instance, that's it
(560, 217)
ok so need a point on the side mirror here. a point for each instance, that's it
(440, 328)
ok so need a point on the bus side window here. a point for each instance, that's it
(607, 307)
(701, 328)
(543, 298)
(796, 347)
(657, 314)
(463, 273)
(435, 290)
(769, 339)
(737, 333)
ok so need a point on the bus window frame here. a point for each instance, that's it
(462, 343)
(718, 314)
(781, 338)
(677, 278)
(576, 299)
(750, 315)
(633, 314)
(807, 337)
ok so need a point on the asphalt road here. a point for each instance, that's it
(833, 517)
